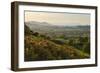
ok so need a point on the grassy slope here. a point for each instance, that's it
(41, 48)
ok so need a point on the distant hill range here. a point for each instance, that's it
(55, 30)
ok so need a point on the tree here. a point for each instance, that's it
(36, 34)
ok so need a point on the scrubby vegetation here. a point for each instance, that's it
(40, 47)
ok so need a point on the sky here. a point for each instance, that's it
(58, 18)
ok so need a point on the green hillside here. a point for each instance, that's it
(39, 47)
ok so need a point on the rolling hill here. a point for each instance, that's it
(56, 30)
(39, 47)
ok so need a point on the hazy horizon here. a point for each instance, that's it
(71, 19)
